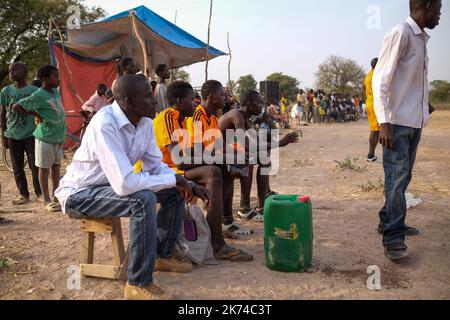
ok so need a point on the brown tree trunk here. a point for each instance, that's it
(3, 74)
(229, 63)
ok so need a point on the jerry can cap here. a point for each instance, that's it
(304, 199)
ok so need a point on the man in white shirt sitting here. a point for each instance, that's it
(101, 183)
(400, 88)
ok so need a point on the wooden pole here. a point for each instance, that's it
(171, 61)
(229, 64)
(209, 38)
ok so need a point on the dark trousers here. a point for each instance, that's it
(151, 234)
(398, 167)
(228, 193)
(17, 150)
(309, 113)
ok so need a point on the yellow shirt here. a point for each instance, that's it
(369, 91)
(199, 126)
(165, 126)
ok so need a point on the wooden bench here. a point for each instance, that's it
(113, 226)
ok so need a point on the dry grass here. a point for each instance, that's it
(303, 163)
(4, 263)
(440, 119)
(373, 187)
(349, 164)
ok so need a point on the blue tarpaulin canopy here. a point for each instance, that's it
(141, 34)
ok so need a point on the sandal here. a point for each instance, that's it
(252, 215)
(235, 229)
(20, 201)
(233, 255)
(53, 207)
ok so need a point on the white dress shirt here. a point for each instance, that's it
(400, 80)
(110, 148)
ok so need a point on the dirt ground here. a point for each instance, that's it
(39, 246)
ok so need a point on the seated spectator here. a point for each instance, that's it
(205, 134)
(101, 183)
(97, 101)
(169, 126)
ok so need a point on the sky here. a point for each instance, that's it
(291, 36)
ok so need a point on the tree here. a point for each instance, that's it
(288, 85)
(246, 83)
(440, 91)
(340, 75)
(25, 27)
(181, 75)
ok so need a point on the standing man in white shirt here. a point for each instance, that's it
(163, 73)
(101, 183)
(400, 87)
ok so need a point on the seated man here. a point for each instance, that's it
(169, 126)
(251, 105)
(101, 183)
(205, 133)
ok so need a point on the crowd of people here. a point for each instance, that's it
(124, 164)
(315, 107)
(127, 162)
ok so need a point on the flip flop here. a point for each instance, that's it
(53, 207)
(233, 255)
(20, 201)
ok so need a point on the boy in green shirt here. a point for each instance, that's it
(16, 131)
(50, 133)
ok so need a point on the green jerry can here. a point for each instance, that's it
(288, 233)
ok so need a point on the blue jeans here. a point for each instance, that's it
(151, 235)
(398, 167)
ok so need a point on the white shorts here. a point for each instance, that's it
(48, 154)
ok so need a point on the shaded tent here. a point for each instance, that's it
(90, 54)
(142, 34)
